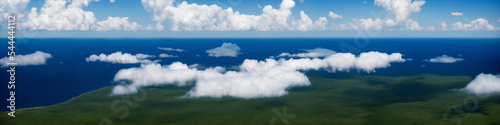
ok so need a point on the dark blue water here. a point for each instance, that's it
(68, 75)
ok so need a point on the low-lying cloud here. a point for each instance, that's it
(37, 58)
(120, 58)
(254, 79)
(227, 49)
(311, 53)
(484, 84)
(171, 49)
(444, 59)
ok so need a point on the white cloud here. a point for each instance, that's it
(311, 53)
(400, 8)
(12, 6)
(68, 15)
(367, 24)
(194, 17)
(412, 25)
(484, 84)
(37, 58)
(227, 49)
(444, 59)
(443, 25)
(254, 79)
(117, 23)
(456, 14)
(171, 49)
(111, 1)
(163, 55)
(121, 58)
(475, 25)
(334, 16)
(390, 22)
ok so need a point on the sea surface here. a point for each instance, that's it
(68, 75)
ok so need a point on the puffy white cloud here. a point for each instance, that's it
(444, 59)
(12, 6)
(412, 25)
(334, 16)
(443, 25)
(390, 22)
(254, 79)
(475, 25)
(194, 17)
(37, 58)
(400, 8)
(227, 49)
(311, 53)
(171, 49)
(121, 58)
(116, 23)
(484, 84)
(367, 24)
(163, 55)
(456, 14)
(59, 15)
(320, 24)
(111, 1)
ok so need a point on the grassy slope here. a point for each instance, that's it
(421, 99)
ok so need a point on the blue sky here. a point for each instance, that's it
(131, 18)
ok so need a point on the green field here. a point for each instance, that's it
(351, 99)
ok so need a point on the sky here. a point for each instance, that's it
(252, 18)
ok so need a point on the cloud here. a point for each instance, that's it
(227, 49)
(37, 58)
(111, 1)
(484, 84)
(253, 79)
(443, 25)
(334, 16)
(163, 55)
(412, 25)
(475, 25)
(311, 53)
(12, 6)
(400, 8)
(58, 15)
(456, 14)
(120, 58)
(171, 49)
(444, 59)
(193, 17)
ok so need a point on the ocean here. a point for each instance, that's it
(68, 74)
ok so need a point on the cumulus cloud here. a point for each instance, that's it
(120, 58)
(311, 53)
(334, 16)
(68, 15)
(193, 17)
(227, 49)
(171, 49)
(401, 9)
(443, 25)
(12, 6)
(37, 58)
(456, 14)
(254, 79)
(475, 25)
(412, 25)
(163, 55)
(444, 59)
(484, 84)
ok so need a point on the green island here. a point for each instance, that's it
(350, 99)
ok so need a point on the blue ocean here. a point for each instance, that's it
(68, 74)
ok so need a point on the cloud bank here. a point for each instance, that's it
(311, 53)
(456, 14)
(58, 15)
(254, 79)
(227, 49)
(120, 58)
(163, 55)
(484, 84)
(444, 59)
(37, 58)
